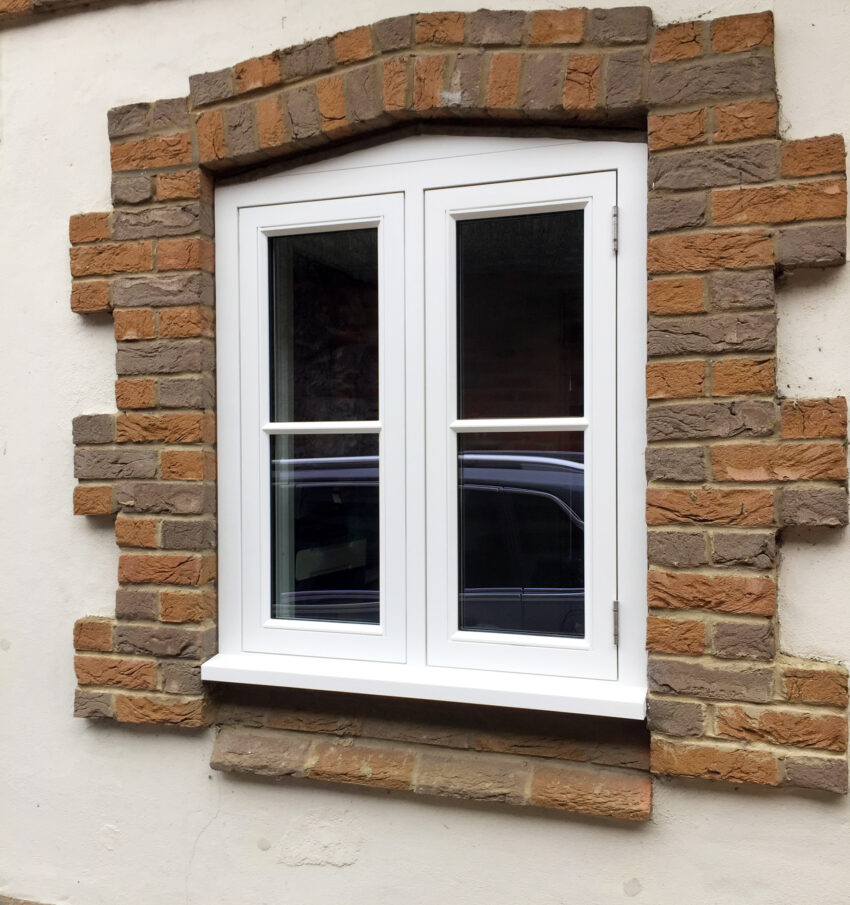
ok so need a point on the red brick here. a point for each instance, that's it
(783, 727)
(92, 633)
(780, 203)
(754, 596)
(709, 505)
(734, 34)
(626, 795)
(779, 462)
(161, 710)
(682, 41)
(813, 156)
(183, 569)
(812, 418)
(211, 143)
(820, 684)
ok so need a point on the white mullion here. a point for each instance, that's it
(518, 425)
(274, 428)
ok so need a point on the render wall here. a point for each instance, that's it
(92, 814)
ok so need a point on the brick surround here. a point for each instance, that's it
(729, 463)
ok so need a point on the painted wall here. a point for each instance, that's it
(106, 815)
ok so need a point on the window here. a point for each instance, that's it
(430, 376)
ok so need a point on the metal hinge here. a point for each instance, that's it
(616, 623)
(615, 228)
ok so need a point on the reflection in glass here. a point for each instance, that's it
(325, 536)
(324, 326)
(520, 299)
(521, 533)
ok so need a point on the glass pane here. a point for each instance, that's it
(325, 537)
(324, 326)
(521, 533)
(520, 298)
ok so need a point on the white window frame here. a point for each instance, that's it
(417, 650)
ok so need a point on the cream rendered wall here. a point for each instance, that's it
(107, 815)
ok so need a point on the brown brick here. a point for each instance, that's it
(744, 640)
(187, 465)
(503, 80)
(581, 81)
(427, 82)
(713, 79)
(88, 228)
(395, 33)
(209, 87)
(259, 72)
(394, 88)
(739, 376)
(722, 165)
(705, 420)
(779, 462)
(164, 291)
(130, 119)
(164, 357)
(812, 246)
(331, 98)
(677, 296)
(139, 323)
(675, 636)
(270, 122)
(185, 427)
(753, 289)
(813, 156)
(557, 26)
(625, 80)
(93, 633)
(678, 718)
(133, 603)
(306, 59)
(363, 93)
(676, 130)
(677, 212)
(674, 379)
(676, 463)
(750, 119)
(162, 151)
(824, 684)
(188, 534)
(110, 464)
(813, 507)
(93, 499)
(781, 203)
(194, 320)
(682, 41)
(304, 119)
(753, 596)
(712, 680)
(93, 705)
(211, 141)
(354, 45)
(165, 497)
(755, 549)
(261, 753)
(185, 569)
(541, 90)
(733, 34)
(709, 505)
(187, 606)
(111, 258)
(592, 790)
(136, 532)
(679, 549)
(189, 643)
(703, 335)
(135, 394)
(93, 429)
(90, 297)
(170, 113)
(621, 25)
(811, 418)
(161, 710)
(783, 727)
(131, 188)
(472, 776)
(714, 762)
(487, 26)
(709, 251)
(185, 254)
(826, 773)
(178, 677)
(159, 221)
(187, 392)
(363, 765)
(121, 672)
(185, 185)
(440, 28)
(11, 8)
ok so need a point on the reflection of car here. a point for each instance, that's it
(521, 541)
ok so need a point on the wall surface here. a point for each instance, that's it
(91, 815)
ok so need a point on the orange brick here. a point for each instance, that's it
(427, 82)
(162, 151)
(700, 506)
(752, 119)
(331, 103)
(676, 130)
(90, 297)
(624, 794)
(394, 87)
(754, 596)
(682, 41)
(503, 80)
(581, 81)
(270, 126)
(812, 418)
(259, 72)
(135, 393)
(779, 462)
(708, 761)
(187, 465)
(440, 28)
(677, 379)
(734, 34)
(739, 376)
(121, 672)
(675, 636)
(93, 499)
(161, 710)
(211, 145)
(182, 569)
(824, 684)
(558, 26)
(187, 606)
(135, 323)
(92, 633)
(88, 228)
(136, 532)
(783, 727)
(709, 251)
(185, 254)
(183, 427)
(780, 203)
(186, 184)
(354, 45)
(111, 258)
(193, 320)
(10, 8)
(362, 765)
(813, 156)
(682, 296)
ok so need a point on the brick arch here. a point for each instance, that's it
(729, 462)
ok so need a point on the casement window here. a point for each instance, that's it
(431, 406)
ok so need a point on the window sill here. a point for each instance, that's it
(579, 696)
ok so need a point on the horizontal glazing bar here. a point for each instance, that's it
(494, 425)
(322, 427)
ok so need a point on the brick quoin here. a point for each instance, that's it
(729, 463)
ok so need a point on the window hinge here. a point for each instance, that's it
(615, 228)
(616, 623)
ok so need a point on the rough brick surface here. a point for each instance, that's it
(729, 764)
(754, 596)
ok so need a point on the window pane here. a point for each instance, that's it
(521, 533)
(325, 534)
(324, 326)
(520, 299)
